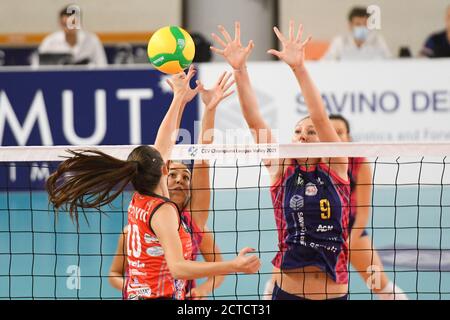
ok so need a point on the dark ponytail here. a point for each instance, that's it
(91, 178)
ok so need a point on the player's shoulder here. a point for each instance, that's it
(51, 40)
(357, 160)
(147, 202)
(437, 37)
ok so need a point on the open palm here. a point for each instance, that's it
(234, 53)
(212, 97)
(293, 49)
(180, 83)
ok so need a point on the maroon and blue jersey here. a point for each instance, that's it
(311, 211)
(197, 237)
(354, 165)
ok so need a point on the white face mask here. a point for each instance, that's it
(360, 33)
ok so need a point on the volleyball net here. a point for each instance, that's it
(45, 256)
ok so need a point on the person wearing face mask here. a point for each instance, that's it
(359, 43)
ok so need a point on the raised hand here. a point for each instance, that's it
(234, 53)
(247, 264)
(293, 52)
(180, 84)
(212, 97)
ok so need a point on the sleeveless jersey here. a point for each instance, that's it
(197, 237)
(311, 209)
(149, 275)
(354, 165)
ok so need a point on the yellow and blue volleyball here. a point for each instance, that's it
(171, 49)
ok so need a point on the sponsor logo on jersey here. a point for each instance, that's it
(186, 227)
(320, 182)
(301, 221)
(296, 202)
(155, 251)
(149, 239)
(141, 292)
(137, 264)
(310, 189)
(300, 181)
(324, 228)
(134, 272)
(179, 288)
(180, 284)
(318, 246)
(135, 284)
(144, 292)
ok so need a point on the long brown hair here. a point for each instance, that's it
(91, 178)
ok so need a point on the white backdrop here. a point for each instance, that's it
(399, 100)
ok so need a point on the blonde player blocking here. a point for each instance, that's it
(363, 257)
(307, 194)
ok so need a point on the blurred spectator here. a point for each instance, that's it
(404, 52)
(84, 47)
(2, 57)
(438, 44)
(360, 43)
(124, 54)
(202, 48)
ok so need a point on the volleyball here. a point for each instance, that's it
(171, 49)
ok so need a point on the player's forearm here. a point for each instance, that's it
(363, 193)
(313, 99)
(200, 195)
(179, 117)
(248, 99)
(167, 133)
(206, 135)
(189, 270)
(361, 220)
(212, 255)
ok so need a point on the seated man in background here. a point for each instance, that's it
(360, 43)
(438, 44)
(83, 47)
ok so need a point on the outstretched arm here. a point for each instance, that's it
(363, 191)
(293, 54)
(168, 130)
(190, 94)
(165, 223)
(200, 195)
(236, 55)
